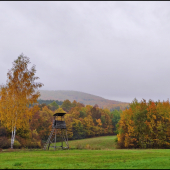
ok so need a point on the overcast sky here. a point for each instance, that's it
(116, 50)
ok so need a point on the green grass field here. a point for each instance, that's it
(97, 143)
(107, 157)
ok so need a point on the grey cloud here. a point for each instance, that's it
(116, 50)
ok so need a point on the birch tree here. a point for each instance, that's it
(16, 97)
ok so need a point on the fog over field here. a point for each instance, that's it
(116, 50)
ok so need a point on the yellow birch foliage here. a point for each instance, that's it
(18, 94)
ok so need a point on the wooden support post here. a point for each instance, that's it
(55, 140)
(62, 137)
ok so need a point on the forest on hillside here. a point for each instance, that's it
(47, 102)
(111, 107)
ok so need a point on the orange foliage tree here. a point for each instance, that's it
(145, 125)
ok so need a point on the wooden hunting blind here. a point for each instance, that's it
(59, 126)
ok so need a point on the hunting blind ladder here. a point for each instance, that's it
(59, 126)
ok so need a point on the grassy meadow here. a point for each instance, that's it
(93, 153)
(97, 143)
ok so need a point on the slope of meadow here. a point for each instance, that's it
(96, 143)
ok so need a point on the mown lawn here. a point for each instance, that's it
(108, 157)
(80, 159)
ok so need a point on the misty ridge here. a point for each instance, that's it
(84, 98)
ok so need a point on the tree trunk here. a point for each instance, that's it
(13, 137)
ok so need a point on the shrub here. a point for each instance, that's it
(116, 140)
(17, 145)
(3, 131)
(22, 141)
(28, 143)
(4, 143)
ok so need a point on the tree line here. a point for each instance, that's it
(81, 122)
(47, 102)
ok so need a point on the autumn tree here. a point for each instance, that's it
(42, 123)
(96, 114)
(78, 129)
(53, 106)
(67, 105)
(17, 95)
(145, 125)
(115, 116)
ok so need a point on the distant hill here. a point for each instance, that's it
(85, 98)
